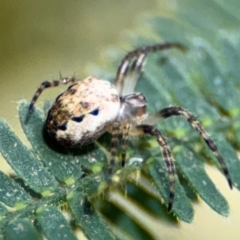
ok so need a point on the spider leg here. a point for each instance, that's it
(114, 147)
(48, 84)
(176, 111)
(138, 53)
(131, 74)
(125, 136)
(147, 129)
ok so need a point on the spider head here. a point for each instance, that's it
(133, 108)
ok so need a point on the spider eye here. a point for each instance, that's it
(63, 127)
(77, 119)
(95, 112)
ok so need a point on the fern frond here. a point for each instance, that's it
(205, 80)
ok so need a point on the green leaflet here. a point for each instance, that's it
(182, 207)
(21, 229)
(230, 157)
(193, 170)
(3, 210)
(54, 225)
(24, 163)
(93, 226)
(11, 193)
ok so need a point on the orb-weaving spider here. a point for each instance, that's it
(90, 107)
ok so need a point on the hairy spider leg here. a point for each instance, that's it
(148, 129)
(176, 111)
(48, 84)
(132, 74)
(125, 137)
(114, 147)
(124, 66)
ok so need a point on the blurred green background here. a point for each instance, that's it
(40, 39)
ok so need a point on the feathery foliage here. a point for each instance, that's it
(205, 80)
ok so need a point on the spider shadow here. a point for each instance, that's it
(78, 155)
(55, 146)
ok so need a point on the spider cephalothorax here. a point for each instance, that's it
(92, 106)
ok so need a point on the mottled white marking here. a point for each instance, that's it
(91, 94)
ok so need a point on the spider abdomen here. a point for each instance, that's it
(83, 112)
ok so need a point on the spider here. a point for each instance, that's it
(92, 106)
